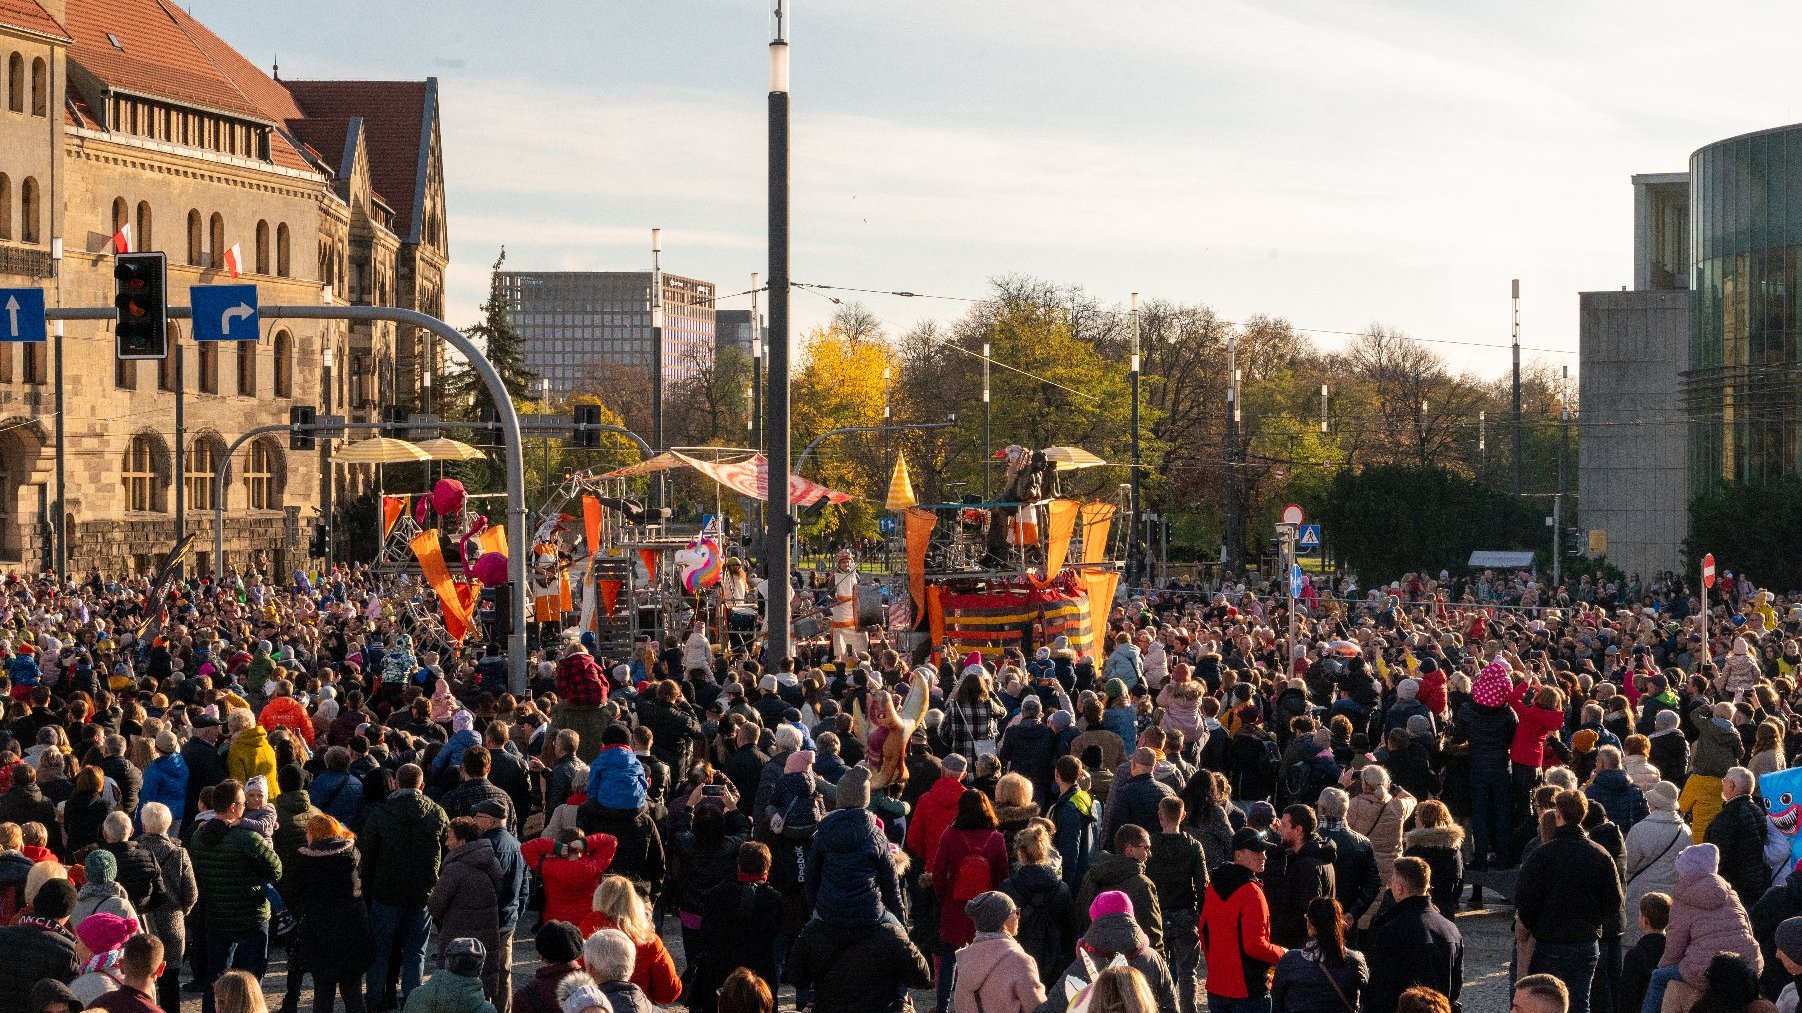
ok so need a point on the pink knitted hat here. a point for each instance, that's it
(799, 760)
(1111, 902)
(1492, 685)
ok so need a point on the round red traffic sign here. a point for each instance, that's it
(1708, 570)
(1292, 514)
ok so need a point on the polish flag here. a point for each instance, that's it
(122, 239)
(233, 261)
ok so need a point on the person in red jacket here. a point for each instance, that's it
(971, 859)
(571, 867)
(1538, 712)
(936, 811)
(1235, 930)
(283, 711)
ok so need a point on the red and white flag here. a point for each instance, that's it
(122, 239)
(233, 263)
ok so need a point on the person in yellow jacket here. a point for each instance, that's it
(250, 754)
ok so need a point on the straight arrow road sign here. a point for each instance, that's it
(23, 318)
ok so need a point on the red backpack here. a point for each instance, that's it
(972, 878)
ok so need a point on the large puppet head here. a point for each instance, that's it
(699, 564)
(843, 562)
(1782, 791)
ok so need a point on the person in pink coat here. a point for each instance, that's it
(1706, 920)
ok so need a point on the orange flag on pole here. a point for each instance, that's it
(431, 566)
(591, 523)
(1097, 519)
(609, 593)
(1100, 585)
(1061, 526)
(392, 508)
(919, 533)
(649, 558)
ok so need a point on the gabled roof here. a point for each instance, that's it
(397, 129)
(163, 53)
(31, 16)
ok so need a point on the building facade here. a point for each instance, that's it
(733, 329)
(130, 124)
(574, 322)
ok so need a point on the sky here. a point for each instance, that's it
(1336, 163)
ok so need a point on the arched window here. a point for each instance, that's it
(281, 250)
(202, 465)
(30, 228)
(193, 237)
(121, 213)
(143, 474)
(15, 83)
(209, 366)
(247, 368)
(216, 241)
(263, 474)
(142, 240)
(284, 364)
(6, 206)
(40, 88)
(262, 247)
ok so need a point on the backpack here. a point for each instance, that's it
(798, 820)
(972, 878)
(1273, 758)
(1304, 781)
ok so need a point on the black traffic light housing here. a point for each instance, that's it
(141, 295)
(587, 415)
(396, 415)
(298, 416)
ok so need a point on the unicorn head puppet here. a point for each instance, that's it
(699, 564)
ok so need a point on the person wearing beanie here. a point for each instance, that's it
(994, 973)
(1669, 747)
(100, 939)
(1788, 956)
(559, 946)
(1407, 704)
(1652, 848)
(1706, 920)
(101, 894)
(443, 772)
(39, 945)
(457, 986)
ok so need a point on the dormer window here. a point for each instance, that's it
(114, 39)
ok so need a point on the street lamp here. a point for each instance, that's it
(1134, 302)
(329, 472)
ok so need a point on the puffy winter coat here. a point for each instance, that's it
(445, 992)
(169, 922)
(1533, 725)
(936, 811)
(1073, 816)
(250, 756)
(231, 864)
(33, 953)
(328, 897)
(466, 899)
(1380, 820)
(1707, 919)
(1118, 934)
(616, 779)
(1109, 871)
(850, 876)
(403, 844)
(1235, 935)
(854, 970)
(1641, 773)
(1624, 803)
(1652, 847)
(338, 793)
(570, 881)
(996, 975)
(166, 781)
(1047, 917)
(1489, 731)
(1442, 849)
(1718, 746)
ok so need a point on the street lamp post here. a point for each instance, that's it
(988, 453)
(656, 353)
(1138, 535)
(776, 427)
(1235, 530)
(327, 471)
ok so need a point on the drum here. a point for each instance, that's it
(810, 628)
(871, 612)
(741, 619)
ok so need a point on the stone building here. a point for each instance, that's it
(129, 118)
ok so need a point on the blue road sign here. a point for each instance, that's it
(1307, 539)
(224, 312)
(1295, 580)
(21, 314)
(886, 525)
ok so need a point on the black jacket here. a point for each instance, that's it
(1178, 867)
(1356, 880)
(1413, 944)
(508, 773)
(1777, 904)
(640, 855)
(139, 873)
(33, 953)
(1047, 918)
(1440, 848)
(737, 922)
(1292, 879)
(1636, 972)
(1135, 801)
(1029, 748)
(674, 731)
(328, 899)
(1739, 832)
(861, 970)
(129, 779)
(1568, 890)
(205, 769)
(402, 845)
(82, 816)
(1670, 754)
(1489, 734)
(25, 803)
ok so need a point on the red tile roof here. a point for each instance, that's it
(395, 119)
(31, 16)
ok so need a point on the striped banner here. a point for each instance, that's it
(993, 622)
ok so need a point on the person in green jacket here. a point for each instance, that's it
(231, 865)
(403, 845)
(457, 987)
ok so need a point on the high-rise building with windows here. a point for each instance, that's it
(733, 329)
(574, 321)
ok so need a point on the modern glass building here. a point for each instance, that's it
(1743, 388)
(573, 320)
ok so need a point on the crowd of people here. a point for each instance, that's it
(1202, 814)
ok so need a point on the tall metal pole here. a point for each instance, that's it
(181, 458)
(1137, 529)
(1518, 468)
(328, 472)
(656, 353)
(776, 434)
(1235, 528)
(60, 522)
(756, 406)
(988, 452)
(1558, 501)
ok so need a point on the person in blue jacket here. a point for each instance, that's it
(1073, 817)
(166, 778)
(616, 778)
(450, 758)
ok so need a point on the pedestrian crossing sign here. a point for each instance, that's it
(1307, 539)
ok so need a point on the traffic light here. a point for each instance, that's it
(316, 544)
(140, 294)
(587, 415)
(298, 416)
(396, 414)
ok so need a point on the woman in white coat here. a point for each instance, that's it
(1652, 848)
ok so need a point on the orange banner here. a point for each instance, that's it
(493, 539)
(609, 594)
(935, 611)
(919, 533)
(454, 625)
(1097, 519)
(392, 508)
(1058, 530)
(591, 523)
(649, 558)
(431, 566)
(1100, 585)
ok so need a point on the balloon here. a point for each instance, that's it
(447, 496)
(420, 506)
(700, 564)
(491, 568)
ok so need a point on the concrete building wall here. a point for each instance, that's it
(1632, 472)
